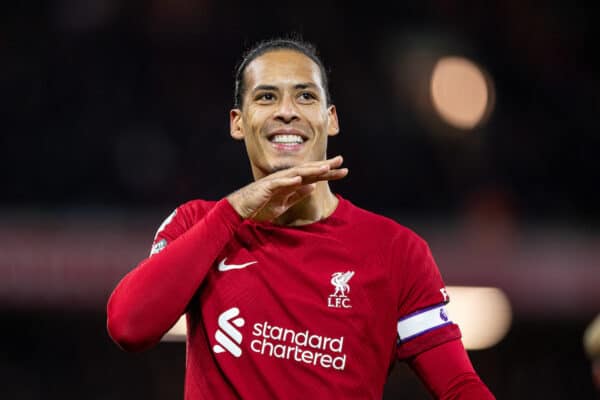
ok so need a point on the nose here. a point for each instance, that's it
(287, 110)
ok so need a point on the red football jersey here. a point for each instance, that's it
(316, 311)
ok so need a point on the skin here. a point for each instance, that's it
(285, 95)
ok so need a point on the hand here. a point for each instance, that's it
(271, 196)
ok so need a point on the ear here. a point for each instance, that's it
(236, 129)
(333, 125)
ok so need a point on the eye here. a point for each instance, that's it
(307, 97)
(265, 97)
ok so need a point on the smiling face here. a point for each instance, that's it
(284, 119)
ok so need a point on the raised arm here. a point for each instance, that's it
(152, 297)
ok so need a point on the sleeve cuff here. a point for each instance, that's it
(227, 214)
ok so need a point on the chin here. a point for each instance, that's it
(284, 162)
(281, 167)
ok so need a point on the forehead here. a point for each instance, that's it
(282, 68)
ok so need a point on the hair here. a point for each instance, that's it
(292, 43)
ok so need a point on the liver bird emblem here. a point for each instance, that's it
(340, 281)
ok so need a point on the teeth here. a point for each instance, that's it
(287, 139)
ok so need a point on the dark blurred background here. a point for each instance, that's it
(115, 112)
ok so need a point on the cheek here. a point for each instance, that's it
(256, 119)
(318, 120)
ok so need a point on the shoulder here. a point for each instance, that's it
(183, 217)
(382, 227)
(194, 210)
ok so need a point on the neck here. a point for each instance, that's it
(319, 205)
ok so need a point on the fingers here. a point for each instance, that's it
(305, 177)
(305, 171)
(311, 168)
(275, 193)
(331, 163)
(335, 162)
(331, 175)
(314, 171)
(302, 192)
(281, 182)
(281, 201)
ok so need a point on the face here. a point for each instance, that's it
(284, 120)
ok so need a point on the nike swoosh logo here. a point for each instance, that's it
(225, 267)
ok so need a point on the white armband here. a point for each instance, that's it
(422, 321)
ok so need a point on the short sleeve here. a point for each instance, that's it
(422, 318)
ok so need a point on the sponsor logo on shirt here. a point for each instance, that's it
(228, 267)
(299, 346)
(339, 298)
(227, 336)
(278, 342)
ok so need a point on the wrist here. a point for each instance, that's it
(228, 214)
(234, 202)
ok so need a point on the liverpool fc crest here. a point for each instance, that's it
(339, 298)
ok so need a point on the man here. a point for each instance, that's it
(290, 291)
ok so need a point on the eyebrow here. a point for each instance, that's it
(304, 85)
(264, 87)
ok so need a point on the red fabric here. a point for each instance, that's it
(419, 285)
(281, 327)
(151, 298)
(428, 340)
(448, 373)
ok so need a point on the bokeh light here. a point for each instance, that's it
(460, 92)
(483, 314)
(178, 332)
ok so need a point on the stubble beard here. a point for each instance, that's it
(281, 167)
